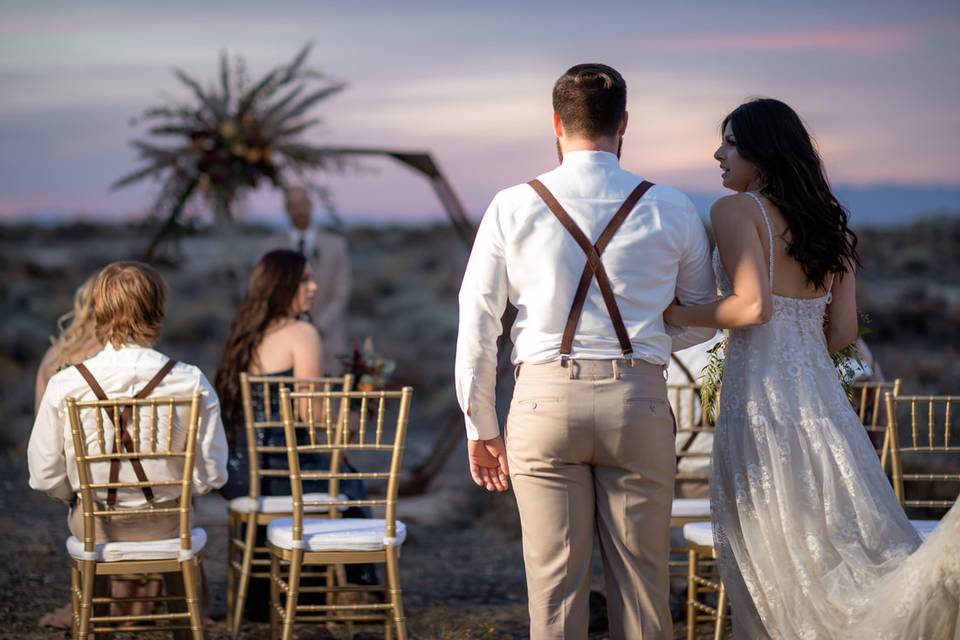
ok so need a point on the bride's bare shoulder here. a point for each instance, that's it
(733, 211)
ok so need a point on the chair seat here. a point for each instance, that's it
(166, 549)
(340, 534)
(700, 533)
(281, 504)
(690, 508)
(924, 527)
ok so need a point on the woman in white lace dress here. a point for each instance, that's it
(812, 542)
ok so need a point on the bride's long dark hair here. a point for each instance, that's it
(771, 135)
(270, 293)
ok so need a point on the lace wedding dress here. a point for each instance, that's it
(811, 540)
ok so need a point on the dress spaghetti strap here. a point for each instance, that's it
(766, 221)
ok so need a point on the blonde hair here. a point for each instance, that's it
(76, 329)
(128, 304)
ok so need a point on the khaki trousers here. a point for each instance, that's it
(591, 449)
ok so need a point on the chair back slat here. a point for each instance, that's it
(934, 462)
(153, 432)
(868, 401)
(101, 436)
(269, 387)
(381, 448)
(117, 437)
(135, 428)
(183, 416)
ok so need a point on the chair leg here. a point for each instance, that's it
(190, 570)
(691, 594)
(87, 574)
(721, 614)
(246, 565)
(395, 594)
(293, 593)
(274, 594)
(175, 586)
(231, 571)
(74, 598)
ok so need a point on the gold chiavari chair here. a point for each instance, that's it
(376, 436)
(868, 400)
(703, 577)
(931, 447)
(248, 513)
(152, 438)
(694, 448)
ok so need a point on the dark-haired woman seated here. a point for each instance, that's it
(269, 336)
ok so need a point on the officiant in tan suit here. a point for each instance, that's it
(590, 255)
(327, 253)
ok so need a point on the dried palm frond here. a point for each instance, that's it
(233, 136)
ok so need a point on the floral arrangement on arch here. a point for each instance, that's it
(234, 135)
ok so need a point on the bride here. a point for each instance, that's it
(811, 540)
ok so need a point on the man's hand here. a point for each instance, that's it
(488, 463)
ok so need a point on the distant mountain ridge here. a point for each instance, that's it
(876, 206)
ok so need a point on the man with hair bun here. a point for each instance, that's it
(590, 255)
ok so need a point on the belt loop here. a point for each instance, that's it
(630, 360)
(616, 369)
(663, 370)
(570, 367)
(516, 372)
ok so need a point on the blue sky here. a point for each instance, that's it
(470, 82)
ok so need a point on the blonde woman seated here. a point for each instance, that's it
(127, 300)
(128, 305)
(77, 339)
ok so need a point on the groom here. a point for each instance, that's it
(590, 255)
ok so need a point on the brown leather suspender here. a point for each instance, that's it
(594, 266)
(125, 438)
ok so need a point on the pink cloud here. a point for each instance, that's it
(866, 41)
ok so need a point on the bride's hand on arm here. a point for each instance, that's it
(741, 252)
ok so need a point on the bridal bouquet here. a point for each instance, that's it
(711, 376)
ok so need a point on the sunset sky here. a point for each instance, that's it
(877, 83)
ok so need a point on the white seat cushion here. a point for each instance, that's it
(924, 527)
(340, 534)
(166, 549)
(280, 504)
(700, 533)
(690, 508)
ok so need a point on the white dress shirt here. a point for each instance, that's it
(122, 373)
(523, 254)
